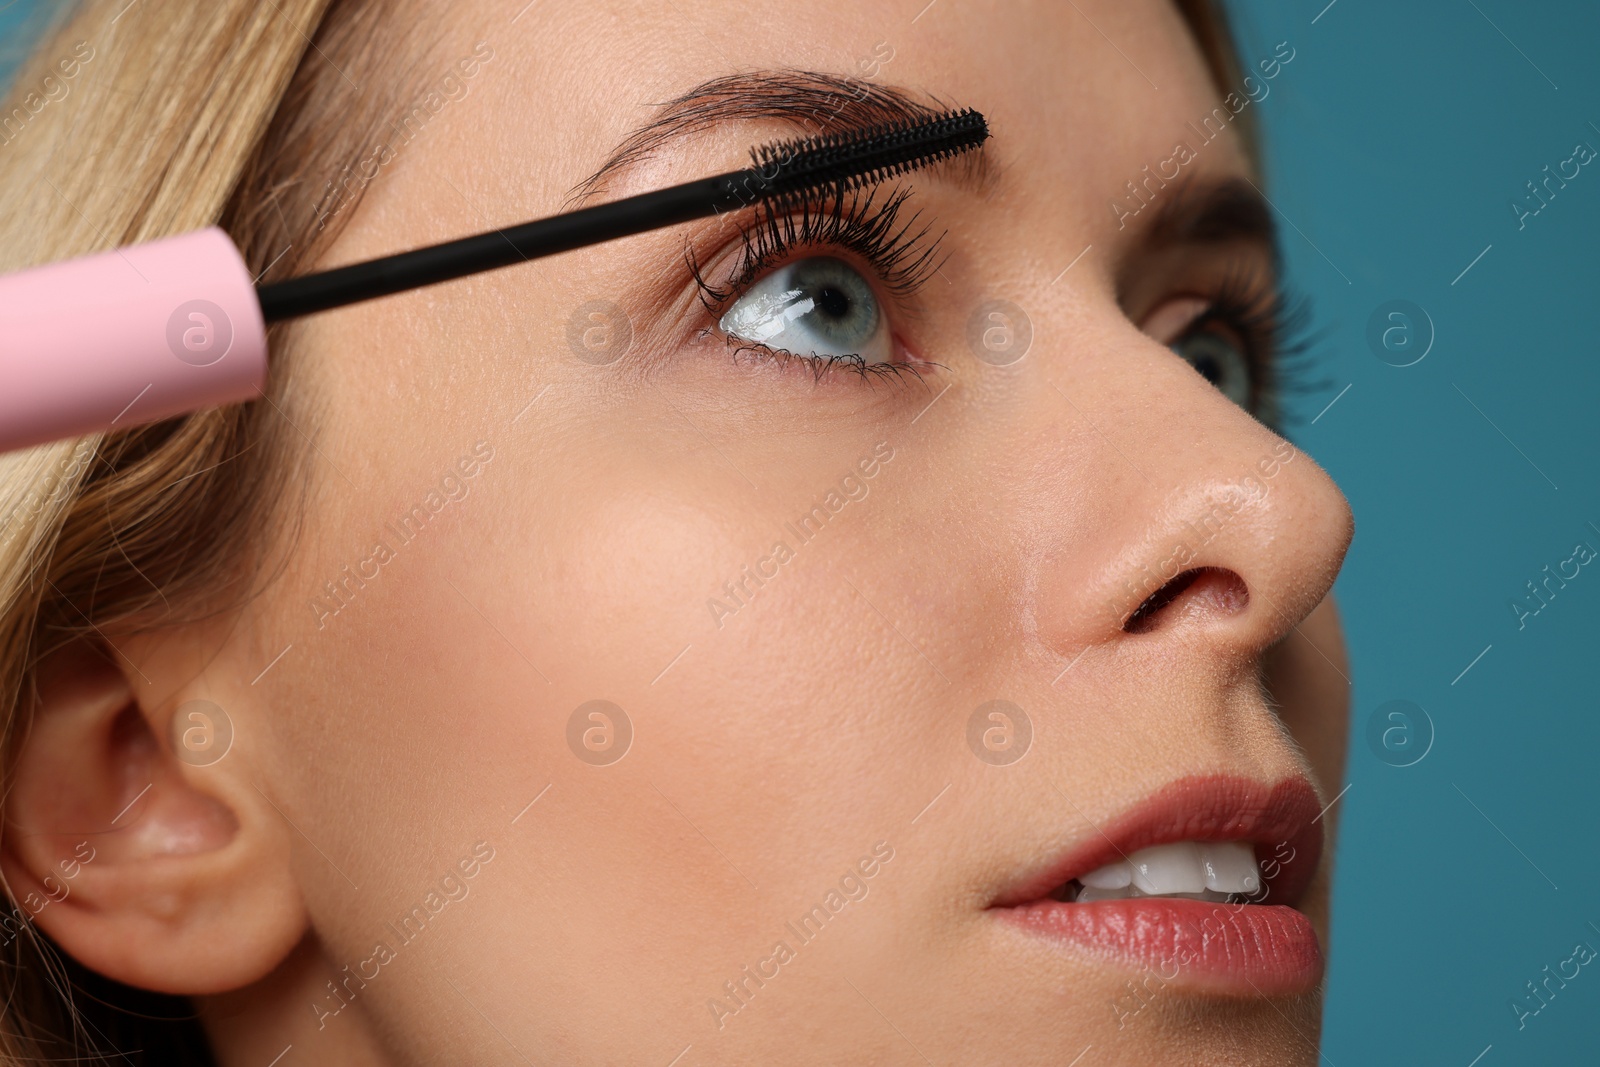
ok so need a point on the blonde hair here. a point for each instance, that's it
(132, 122)
(178, 114)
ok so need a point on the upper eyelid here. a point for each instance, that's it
(1199, 307)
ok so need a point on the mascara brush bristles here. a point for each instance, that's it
(850, 157)
(964, 122)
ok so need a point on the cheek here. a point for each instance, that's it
(1307, 675)
(626, 572)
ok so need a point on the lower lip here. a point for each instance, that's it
(1232, 949)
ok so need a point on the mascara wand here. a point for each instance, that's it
(155, 330)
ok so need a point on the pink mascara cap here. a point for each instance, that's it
(127, 337)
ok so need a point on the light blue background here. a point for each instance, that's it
(1397, 138)
(1396, 141)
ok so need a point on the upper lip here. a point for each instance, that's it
(1282, 820)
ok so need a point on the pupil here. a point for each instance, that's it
(833, 303)
(1208, 369)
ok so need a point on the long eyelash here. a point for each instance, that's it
(901, 252)
(1274, 323)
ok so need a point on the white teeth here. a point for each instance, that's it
(1173, 868)
(1208, 871)
(1230, 867)
(1116, 875)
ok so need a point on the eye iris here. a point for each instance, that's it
(820, 306)
(844, 309)
(1220, 362)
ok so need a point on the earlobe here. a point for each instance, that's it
(144, 867)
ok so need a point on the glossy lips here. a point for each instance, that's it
(1265, 947)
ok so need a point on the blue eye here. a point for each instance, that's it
(1221, 361)
(820, 307)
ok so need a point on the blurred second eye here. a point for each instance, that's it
(1205, 333)
(820, 306)
(1220, 360)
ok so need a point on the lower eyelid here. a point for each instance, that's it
(822, 370)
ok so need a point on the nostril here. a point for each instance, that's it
(1143, 618)
(1205, 588)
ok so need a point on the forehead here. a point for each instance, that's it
(1079, 96)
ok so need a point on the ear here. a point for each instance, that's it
(147, 868)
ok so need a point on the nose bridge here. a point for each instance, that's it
(1175, 479)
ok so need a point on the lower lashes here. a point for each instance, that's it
(822, 366)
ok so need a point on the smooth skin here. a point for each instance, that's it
(397, 743)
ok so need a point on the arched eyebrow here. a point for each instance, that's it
(1213, 211)
(811, 101)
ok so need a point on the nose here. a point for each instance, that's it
(1210, 532)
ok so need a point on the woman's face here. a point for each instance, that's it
(799, 829)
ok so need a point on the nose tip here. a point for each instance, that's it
(1218, 563)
